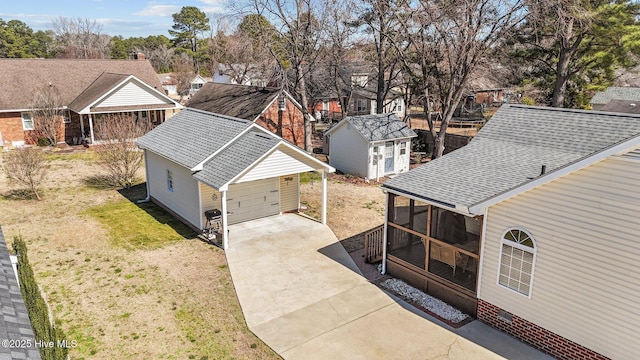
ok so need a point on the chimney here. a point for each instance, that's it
(140, 56)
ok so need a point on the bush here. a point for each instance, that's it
(44, 142)
(37, 307)
(27, 167)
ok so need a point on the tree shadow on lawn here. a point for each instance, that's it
(19, 194)
(138, 192)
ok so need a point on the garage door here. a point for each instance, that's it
(252, 200)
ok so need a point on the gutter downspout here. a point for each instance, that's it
(146, 174)
(384, 235)
(225, 231)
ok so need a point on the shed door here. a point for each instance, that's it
(253, 200)
(388, 157)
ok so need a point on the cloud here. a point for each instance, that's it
(159, 10)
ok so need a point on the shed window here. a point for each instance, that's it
(169, 180)
(403, 148)
(517, 259)
(27, 121)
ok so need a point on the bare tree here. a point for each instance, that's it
(26, 166)
(80, 38)
(117, 152)
(444, 42)
(296, 46)
(46, 110)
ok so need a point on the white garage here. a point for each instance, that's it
(200, 161)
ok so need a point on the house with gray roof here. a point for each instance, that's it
(370, 146)
(19, 341)
(532, 227)
(617, 99)
(202, 161)
(87, 92)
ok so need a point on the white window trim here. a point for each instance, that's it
(533, 251)
(33, 126)
(170, 186)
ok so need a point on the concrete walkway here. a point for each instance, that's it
(303, 295)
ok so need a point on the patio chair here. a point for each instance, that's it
(445, 254)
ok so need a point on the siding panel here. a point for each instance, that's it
(586, 281)
(289, 194)
(349, 152)
(280, 162)
(184, 198)
(129, 95)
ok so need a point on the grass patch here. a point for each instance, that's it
(87, 156)
(135, 226)
(310, 177)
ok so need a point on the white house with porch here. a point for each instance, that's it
(201, 161)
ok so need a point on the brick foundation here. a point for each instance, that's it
(534, 335)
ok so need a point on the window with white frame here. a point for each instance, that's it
(27, 121)
(517, 259)
(396, 105)
(282, 103)
(361, 105)
(403, 148)
(169, 180)
(66, 117)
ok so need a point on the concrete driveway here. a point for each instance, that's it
(303, 295)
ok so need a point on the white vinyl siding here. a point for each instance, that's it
(348, 151)
(183, 200)
(131, 94)
(587, 274)
(289, 192)
(282, 161)
(210, 199)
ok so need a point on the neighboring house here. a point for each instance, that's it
(327, 109)
(169, 84)
(617, 99)
(240, 74)
(196, 84)
(274, 109)
(370, 146)
(363, 102)
(89, 91)
(532, 227)
(201, 161)
(15, 325)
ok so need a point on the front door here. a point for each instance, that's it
(388, 157)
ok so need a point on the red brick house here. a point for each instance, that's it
(88, 91)
(273, 109)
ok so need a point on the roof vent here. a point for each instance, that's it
(543, 170)
(632, 105)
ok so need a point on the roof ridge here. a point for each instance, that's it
(227, 117)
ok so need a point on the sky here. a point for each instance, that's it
(129, 18)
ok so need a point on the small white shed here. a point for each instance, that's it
(370, 146)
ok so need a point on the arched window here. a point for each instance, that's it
(517, 257)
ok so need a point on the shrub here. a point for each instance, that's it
(44, 330)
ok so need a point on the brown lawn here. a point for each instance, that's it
(173, 300)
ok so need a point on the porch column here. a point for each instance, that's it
(324, 197)
(384, 234)
(225, 230)
(91, 130)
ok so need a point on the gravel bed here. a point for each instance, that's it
(430, 303)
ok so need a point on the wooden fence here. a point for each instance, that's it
(373, 244)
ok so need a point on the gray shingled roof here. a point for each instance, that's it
(380, 127)
(616, 93)
(14, 323)
(192, 135)
(236, 158)
(70, 76)
(509, 151)
(103, 83)
(241, 101)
